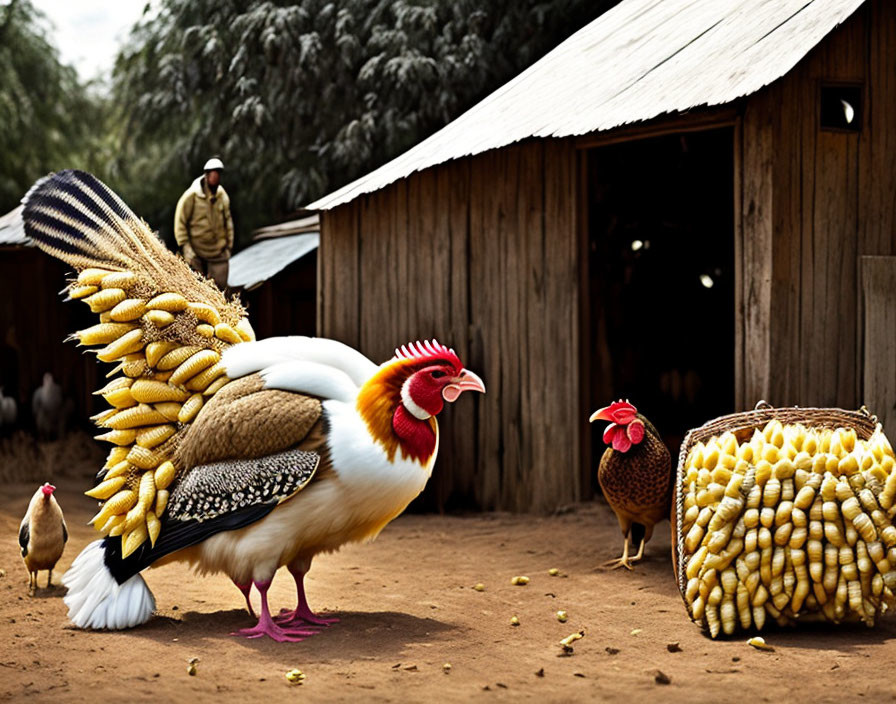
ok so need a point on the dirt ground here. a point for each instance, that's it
(407, 607)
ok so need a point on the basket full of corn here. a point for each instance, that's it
(785, 515)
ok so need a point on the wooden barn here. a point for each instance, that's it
(689, 203)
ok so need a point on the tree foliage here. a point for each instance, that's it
(45, 113)
(299, 98)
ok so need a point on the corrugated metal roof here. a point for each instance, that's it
(310, 223)
(641, 59)
(258, 263)
(12, 229)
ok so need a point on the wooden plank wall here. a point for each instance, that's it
(814, 201)
(481, 253)
(879, 305)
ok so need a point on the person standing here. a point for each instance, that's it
(203, 226)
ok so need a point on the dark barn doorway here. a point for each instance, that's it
(661, 280)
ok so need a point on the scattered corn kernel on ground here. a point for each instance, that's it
(398, 594)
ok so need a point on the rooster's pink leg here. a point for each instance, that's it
(266, 625)
(302, 613)
(246, 589)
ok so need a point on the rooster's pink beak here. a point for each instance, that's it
(602, 414)
(465, 381)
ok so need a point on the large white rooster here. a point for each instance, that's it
(236, 456)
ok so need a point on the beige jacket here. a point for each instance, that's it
(202, 223)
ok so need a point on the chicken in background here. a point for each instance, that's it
(635, 475)
(48, 407)
(42, 535)
(8, 413)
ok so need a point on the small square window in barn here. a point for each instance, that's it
(841, 107)
(661, 279)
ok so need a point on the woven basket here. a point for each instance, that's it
(742, 425)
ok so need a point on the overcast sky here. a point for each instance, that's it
(88, 33)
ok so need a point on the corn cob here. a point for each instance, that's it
(159, 318)
(156, 350)
(205, 330)
(135, 417)
(190, 408)
(154, 435)
(106, 488)
(171, 302)
(169, 409)
(119, 279)
(105, 299)
(176, 357)
(205, 313)
(193, 365)
(164, 475)
(245, 331)
(128, 309)
(75, 292)
(126, 344)
(154, 391)
(201, 381)
(104, 333)
(132, 540)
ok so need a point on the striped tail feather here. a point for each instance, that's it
(75, 217)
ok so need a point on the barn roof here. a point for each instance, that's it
(639, 60)
(264, 259)
(12, 229)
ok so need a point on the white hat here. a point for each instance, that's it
(213, 164)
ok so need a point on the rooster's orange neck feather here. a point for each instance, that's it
(378, 402)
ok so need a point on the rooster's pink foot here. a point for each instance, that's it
(306, 616)
(266, 625)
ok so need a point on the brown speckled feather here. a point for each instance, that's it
(638, 484)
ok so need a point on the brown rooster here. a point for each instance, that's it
(635, 475)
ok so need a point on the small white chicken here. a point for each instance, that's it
(42, 535)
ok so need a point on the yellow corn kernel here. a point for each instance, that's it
(215, 386)
(156, 350)
(128, 309)
(190, 408)
(133, 540)
(245, 331)
(171, 302)
(126, 344)
(116, 455)
(153, 527)
(164, 475)
(161, 501)
(154, 436)
(154, 391)
(92, 277)
(120, 399)
(118, 437)
(106, 488)
(201, 381)
(119, 279)
(159, 318)
(135, 417)
(120, 469)
(135, 516)
(205, 313)
(192, 366)
(146, 493)
(143, 458)
(75, 292)
(176, 357)
(104, 333)
(121, 502)
(205, 330)
(105, 299)
(101, 418)
(226, 333)
(169, 409)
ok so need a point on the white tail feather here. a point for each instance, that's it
(96, 600)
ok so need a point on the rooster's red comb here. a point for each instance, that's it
(427, 350)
